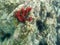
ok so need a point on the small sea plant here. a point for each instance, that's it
(23, 14)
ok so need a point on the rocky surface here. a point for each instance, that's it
(42, 30)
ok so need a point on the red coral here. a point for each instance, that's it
(22, 15)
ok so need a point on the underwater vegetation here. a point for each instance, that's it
(22, 15)
(28, 22)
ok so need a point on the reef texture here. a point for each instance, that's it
(29, 22)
